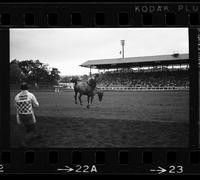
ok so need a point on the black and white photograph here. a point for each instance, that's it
(99, 87)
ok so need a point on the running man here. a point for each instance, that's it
(24, 102)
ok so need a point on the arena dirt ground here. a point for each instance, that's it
(122, 119)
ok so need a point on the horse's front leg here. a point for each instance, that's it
(92, 97)
(80, 99)
(75, 97)
(88, 100)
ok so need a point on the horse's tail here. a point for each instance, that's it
(99, 92)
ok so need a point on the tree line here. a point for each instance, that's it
(67, 79)
(33, 72)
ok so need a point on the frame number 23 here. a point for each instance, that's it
(175, 169)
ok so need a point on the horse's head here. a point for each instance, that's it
(73, 80)
(100, 95)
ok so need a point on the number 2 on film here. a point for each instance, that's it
(1, 168)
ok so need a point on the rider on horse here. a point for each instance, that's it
(86, 88)
(92, 82)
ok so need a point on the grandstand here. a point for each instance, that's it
(164, 72)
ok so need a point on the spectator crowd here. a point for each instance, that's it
(175, 78)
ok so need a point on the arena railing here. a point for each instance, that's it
(145, 88)
(119, 88)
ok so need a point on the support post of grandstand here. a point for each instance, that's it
(90, 71)
(57, 89)
(122, 43)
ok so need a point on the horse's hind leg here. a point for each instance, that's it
(88, 100)
(75, 97)
(80, 99)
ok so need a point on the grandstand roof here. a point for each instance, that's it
(137, 61)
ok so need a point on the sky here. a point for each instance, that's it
(67, 48)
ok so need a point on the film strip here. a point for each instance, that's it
(137, 128)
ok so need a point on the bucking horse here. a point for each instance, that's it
(88, 89)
